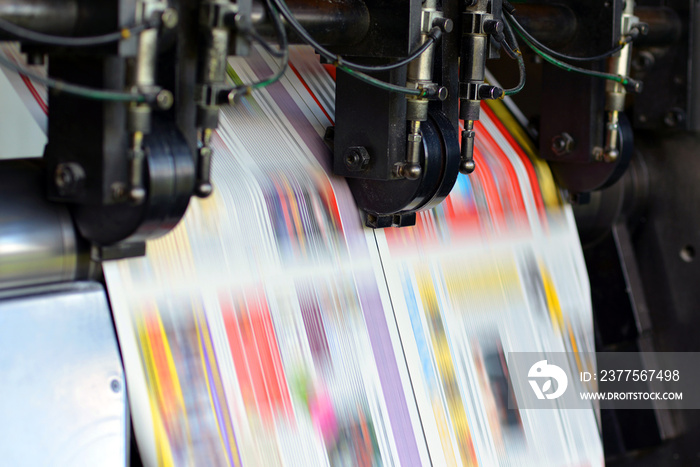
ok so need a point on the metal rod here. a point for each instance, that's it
(329, 22)
(615, 93)
(48, 16)
(554, 25)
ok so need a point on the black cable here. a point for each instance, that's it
(257, 38)
(345, 65)
(509, 42)
(383, 84)
(235, 93)
(514, 22)
(629, 83)
(510, 38)
(509, 50)
(508, 7)
(433, 36)
(338, 60)
(510, 46)
(19, 32)
(74, 89)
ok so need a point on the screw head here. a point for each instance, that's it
(562, 144)
(356, 158)
(68, 178)
(674, 117)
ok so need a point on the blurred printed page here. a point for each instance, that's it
(270, 328)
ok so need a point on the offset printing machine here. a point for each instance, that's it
(136, 90)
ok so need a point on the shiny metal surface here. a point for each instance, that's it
(146, 59)
(37, 238)
(62, 397)
(330, 22)
(47, 16)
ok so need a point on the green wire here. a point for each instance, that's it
(521, 70)
(565, 66)
(74, 89)
(97, 94)
(244, 90)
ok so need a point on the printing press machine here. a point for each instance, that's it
(138, 87)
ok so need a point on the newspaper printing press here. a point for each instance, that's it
(139, 85)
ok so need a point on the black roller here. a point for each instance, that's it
(383, 200)
(38, 243)
(170, 173)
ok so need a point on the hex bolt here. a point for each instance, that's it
(674, 117)
(563, 144)
(69, 178)
(356, 158)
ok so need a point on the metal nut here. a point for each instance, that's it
(356, 158)
(416, 138)
(69, 178)
(563, 144)
(674, 117)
